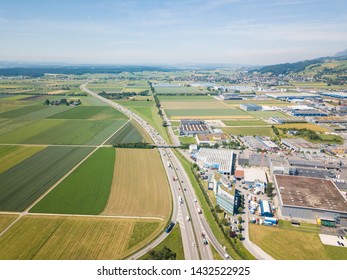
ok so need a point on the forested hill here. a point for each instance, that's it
(76, 70)
(331, 65)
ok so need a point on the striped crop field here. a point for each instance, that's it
(12, 155)
(140, 186)
(22, 184)
(84, 191)
(90, 112)
(75, 238)
(130, 133)
(6, 220)
(58, 131)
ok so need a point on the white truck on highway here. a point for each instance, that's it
(180, 199)
(168, 164)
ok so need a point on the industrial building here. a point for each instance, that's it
(250, 107)
(292, 95)
(220, 159)
(278, 165)
(283, 120)
(265, 209)
(309, 198)
(255, 178)
(253, 159)
(301, 145)
(340, 95)
(212, 139)
(229, 203)
(230, 96)
(307, 113)
(192, 127)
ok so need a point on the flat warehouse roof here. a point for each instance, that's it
(310, 192)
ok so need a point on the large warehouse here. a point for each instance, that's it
(309, 198)
(192, 127)
(216, 159)
(251, 107)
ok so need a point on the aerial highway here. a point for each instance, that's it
(194, 227)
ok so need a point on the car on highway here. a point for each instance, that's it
(195, 200)
(198, 210)
(187, 218)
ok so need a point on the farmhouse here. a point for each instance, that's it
(309, 198)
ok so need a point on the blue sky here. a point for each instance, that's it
(171, 32)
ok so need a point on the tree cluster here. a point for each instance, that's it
(164, 254)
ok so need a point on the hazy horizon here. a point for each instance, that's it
(169, 33)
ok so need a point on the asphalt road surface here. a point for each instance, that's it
(191, 229)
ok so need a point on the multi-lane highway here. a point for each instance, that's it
(193, 228)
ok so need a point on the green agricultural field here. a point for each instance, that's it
(186, 98)
(12, 155)
(84, 191)
(261, 131)
(15, 123)
(270, 102)
(266, 114)
(22, 184)
(21, 111)
(288, 244)
(187, 140)
(128, 134)
(243, 122)
(207, 113)
(90, 112)
(177, 90)
(57, 131)
(148, 111)
(42, 237)
(141, 231)
(6, 220)
(89, 101)
(173, 242)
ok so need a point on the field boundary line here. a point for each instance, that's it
(49, 145)
(10, 225)
(97, 216)
(69, 172)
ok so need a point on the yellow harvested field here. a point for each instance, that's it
(43, 237)
(57, 91)
(140, 186)
(310, 126)
(18, 155)
(6, 220)
(212, 117)
(208, 104)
